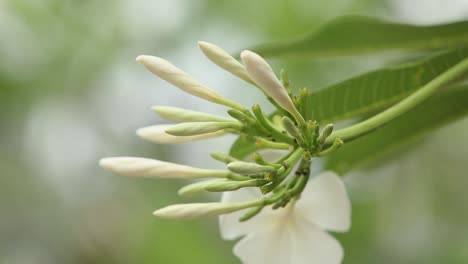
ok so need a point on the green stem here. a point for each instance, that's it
(296, 154)
(375, 122)
(263, 143)
(269, 128)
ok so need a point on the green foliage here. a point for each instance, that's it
(440, 110)
(358, 35)
(369, 93)
(242, 147)
(376, 90)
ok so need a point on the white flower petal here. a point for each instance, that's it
(270, 245)
(290, 239)
(229, 224)
(325, 203)
(157, 134)
(312, 245)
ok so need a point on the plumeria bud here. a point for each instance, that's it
(262, 74)
(312, 130)
(198, 128)
(184, 115)
(221, 58)
(251, 213)
(157, 134)
(248, 168)
(258, 158)
(175, 76)
(223, 157)
(196, 188)
(327, 130)
(151, 168)
(242, 117)
(263, 143)
(230, 185)
(337, 143)
(198, 210)
(292, 130)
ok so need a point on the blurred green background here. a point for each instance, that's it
(71, 93)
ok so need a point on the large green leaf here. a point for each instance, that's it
(375, 90)
(357, 35)
(436, 112)
(366, 93)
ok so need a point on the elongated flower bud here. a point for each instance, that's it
(225, 186)
(262, 74)
(327, 130)
(223, 157)
(157, 134)
(184, 115)
(151, 168)
(197, 187)
(221, 58)
(198, 210)
(291, 128)
(247, 168)
(197, 128)
(251, 213)
(170, 73)
(241, 117)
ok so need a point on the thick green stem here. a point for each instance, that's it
(375, 122)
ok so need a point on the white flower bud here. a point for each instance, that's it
(197, 128)
(197, 210)
(157, 134)
(197, 187)
(246, 168)
(184, 115)
(170, 73)
(224, 186)
(262, 74)
(151, 168)
(221, 58)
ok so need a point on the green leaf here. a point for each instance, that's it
(243, 146)
(376, 90)
(358, 35)
(366, 93)
(436, 112)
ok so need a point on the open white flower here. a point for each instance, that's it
(296, 234)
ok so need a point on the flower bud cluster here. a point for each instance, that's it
(279, 180)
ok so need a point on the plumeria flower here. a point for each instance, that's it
(281, 215)
(158, 134)
(151, 168)
(296, 234)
